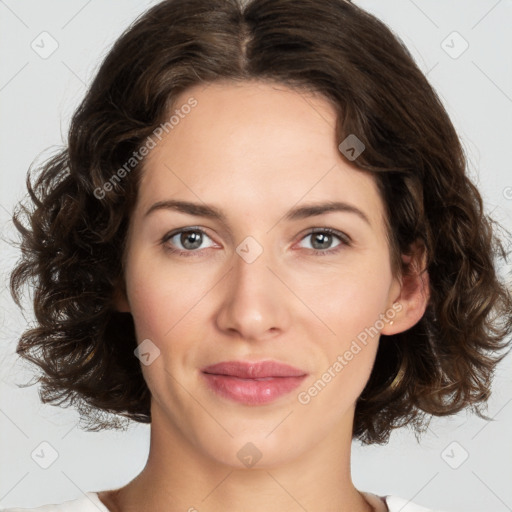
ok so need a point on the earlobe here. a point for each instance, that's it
(414, 294)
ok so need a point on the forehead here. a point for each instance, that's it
(254, 146)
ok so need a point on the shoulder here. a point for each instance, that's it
(395, 504)
(89, 502)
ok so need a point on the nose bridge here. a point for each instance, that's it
(254, 304)
(251, 262)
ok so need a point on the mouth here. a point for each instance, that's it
(252, 383)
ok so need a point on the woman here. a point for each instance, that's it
(262, 240)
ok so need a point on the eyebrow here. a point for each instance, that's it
(298, 213)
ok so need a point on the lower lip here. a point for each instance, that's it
(252, 391)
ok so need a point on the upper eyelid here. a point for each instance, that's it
(332, 231)
(174, 232)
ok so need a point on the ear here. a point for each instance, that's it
(120, 298)
(409, 294)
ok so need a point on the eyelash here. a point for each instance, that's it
(344, 239)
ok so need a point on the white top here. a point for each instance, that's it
(90, 502)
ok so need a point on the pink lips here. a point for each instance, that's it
(253, 383)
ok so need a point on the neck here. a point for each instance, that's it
(178, 477)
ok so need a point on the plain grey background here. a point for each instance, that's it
(463, 463)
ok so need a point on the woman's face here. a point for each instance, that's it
(252, 283)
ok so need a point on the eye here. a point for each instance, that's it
(190, 240)
(322, 238)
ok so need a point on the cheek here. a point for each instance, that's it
(161, 296)
(166, 307)
(350, 307)
(350, 301)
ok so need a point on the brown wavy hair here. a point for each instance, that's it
(73, 237)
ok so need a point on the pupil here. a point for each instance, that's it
(191, 235)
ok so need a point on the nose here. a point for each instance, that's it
(254, 304)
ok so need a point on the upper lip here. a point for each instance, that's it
(253, 369)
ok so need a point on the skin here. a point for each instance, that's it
(255, 150)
